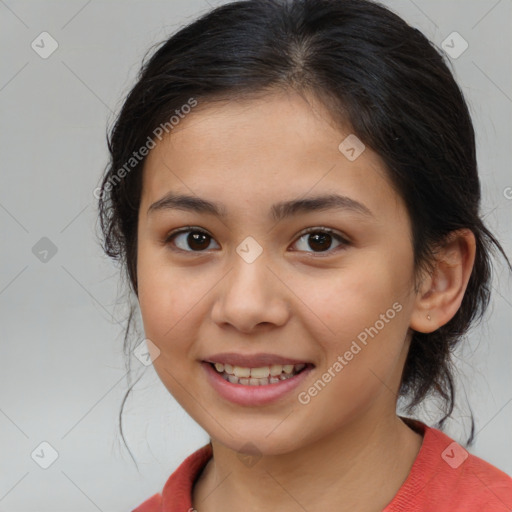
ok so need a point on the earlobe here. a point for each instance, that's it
(421, 316)
(441, 292)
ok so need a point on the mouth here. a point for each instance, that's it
(262, 382)
(261, 376)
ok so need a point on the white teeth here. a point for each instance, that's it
(241, 372)
(258, 376)
(276, 369)
(258, 382)
(260, 373)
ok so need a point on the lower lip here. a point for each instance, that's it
(253, 395)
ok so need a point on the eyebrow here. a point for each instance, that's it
(278, 211)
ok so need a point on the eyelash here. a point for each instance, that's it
(327, 231)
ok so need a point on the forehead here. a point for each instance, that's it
(260, 151)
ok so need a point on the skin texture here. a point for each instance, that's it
(346, 449)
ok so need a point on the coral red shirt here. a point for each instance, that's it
(444, 477)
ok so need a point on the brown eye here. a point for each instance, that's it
(320, 240)
(190, 240)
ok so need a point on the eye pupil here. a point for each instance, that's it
(319, 238)
(198, 238)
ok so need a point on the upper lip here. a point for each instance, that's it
(252, 361)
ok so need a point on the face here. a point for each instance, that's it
(329, 287)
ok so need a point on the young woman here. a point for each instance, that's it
(293, 192)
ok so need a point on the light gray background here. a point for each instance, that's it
(61, 366)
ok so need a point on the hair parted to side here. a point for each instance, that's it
(375, 73)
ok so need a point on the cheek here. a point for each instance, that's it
(363, 356)
(165, 304)
(169, 302)
(167, 296)
(353, 297)
(364, 317)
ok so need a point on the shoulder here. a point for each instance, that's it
(177, 491)
(445, 476)
(153, 504)
(484, 486)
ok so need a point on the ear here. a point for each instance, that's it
(441, 292)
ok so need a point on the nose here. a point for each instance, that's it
(251, 297)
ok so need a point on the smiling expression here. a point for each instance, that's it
(250, 178)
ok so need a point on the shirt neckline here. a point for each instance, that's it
(177, 492)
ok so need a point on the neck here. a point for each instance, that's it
(360, 467)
